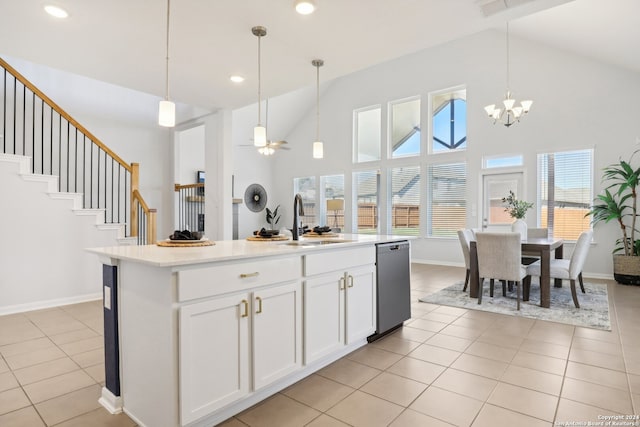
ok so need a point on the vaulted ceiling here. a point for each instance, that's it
(123, 41)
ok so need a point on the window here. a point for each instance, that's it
(405, 128)
(306, 186)
(366, 186)
(565, 192)
(405, 200)
(502, 161)
(447, 199)
(449, 121)
(367, 139)
(332, 199)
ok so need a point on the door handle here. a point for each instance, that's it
(245, 303)
(259, 305)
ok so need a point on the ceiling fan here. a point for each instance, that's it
(271, 146)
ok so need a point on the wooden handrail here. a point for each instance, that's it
(63, 113)
(178, 187)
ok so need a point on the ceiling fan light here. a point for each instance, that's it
(260, 136)
(167, 114)
(305, 7)
(318, 150)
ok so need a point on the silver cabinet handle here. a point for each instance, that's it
(350, 281)
(247, 275)
(341, 283)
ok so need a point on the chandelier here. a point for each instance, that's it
(511, 113)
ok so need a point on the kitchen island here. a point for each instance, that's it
(194, 335)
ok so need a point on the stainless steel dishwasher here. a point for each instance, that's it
(394, 287)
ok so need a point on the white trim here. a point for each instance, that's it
(38, 305)
(110, 401)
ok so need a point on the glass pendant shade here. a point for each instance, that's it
(508, 103)
(318, 150)
(167, 114)
(260, 136)
(526, 105)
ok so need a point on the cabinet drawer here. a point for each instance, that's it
(237, 276)
(338, 259)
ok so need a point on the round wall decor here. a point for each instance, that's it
(255, 197)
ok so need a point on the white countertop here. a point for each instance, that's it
(227, 250)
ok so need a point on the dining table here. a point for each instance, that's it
(541, 245)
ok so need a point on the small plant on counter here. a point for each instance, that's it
(273, 217)
(516, 208)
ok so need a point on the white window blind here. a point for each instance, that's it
(405, 200)
(332, 198)
(366, 186)
(447, 199)
(565, 192)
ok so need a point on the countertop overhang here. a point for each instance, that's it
(227, 250)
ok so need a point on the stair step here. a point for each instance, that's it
(23, 162)
(120, 228)
(76, 198)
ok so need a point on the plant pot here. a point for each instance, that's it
(626, 269)
(520, 226)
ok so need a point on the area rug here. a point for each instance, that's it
(593, 311)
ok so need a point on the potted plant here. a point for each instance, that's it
(619, 203)
(272, 217)
(517, 209)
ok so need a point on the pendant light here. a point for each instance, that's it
(318, 147)
(510, 114)
(167, 109)
(259, 132)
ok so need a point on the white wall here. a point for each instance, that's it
(42, 256)
(578, 103)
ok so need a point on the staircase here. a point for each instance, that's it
(62, 190)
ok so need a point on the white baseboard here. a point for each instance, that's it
(111, 402)
(39, 305)
(433, 262)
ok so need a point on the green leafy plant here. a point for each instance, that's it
(516, 208)
(273, 217)
(619, 203)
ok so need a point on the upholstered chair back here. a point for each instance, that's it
(499, 256)
(579, 256)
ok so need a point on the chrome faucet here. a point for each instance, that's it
(298, 209)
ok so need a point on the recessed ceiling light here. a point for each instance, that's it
(236, 79)
(56, 11)
(305, 7)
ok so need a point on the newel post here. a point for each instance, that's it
(135, 182)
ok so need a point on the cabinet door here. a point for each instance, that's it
(361, 303)
(323, 315)
(214, 354)
(277, 332)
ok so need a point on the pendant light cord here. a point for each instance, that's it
(259, 79)
(167, 57)
(318, 102)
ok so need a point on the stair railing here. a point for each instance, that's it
(35, 126)
(190, 206)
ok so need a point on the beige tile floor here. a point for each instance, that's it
(447, 366)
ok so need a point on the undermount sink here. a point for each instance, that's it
(315, 242)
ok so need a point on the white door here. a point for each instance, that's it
(214, 355)
(494, 188)
(361, 303)
(277, 332)
(323, 315)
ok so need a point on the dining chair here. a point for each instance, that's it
(465, 235)
(499, 257)
(567, 269)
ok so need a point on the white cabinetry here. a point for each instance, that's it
(235, 344)
(339, 305)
